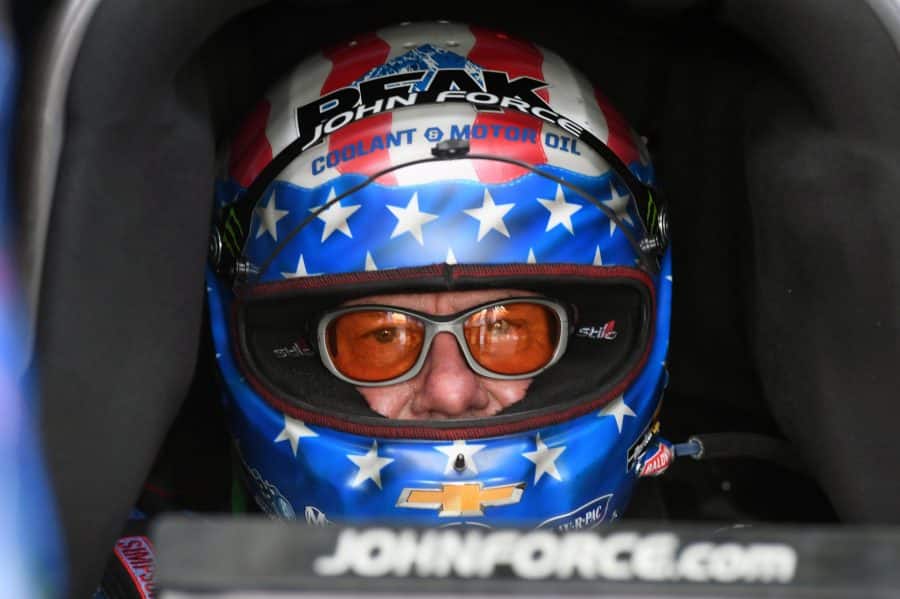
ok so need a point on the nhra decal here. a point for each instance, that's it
(492, 91)
(653, 557)
(136, 555)
(589, 515)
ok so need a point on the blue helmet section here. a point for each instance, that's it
(529, 219)
(571, 475)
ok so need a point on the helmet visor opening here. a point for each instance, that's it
(607, 337)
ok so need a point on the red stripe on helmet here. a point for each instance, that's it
(497, 51)
(621, 138)
(250, 150)
(350, 63)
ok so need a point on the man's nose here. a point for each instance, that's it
(450, 388)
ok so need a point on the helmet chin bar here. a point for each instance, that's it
(232, 224)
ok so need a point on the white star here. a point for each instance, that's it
(490, 216)
(560, 211)
(544, 459)
(451, 257)
(669, 278)
(411, 219)
(619, 205)
(269, 215)
(460, 448)
(335, 217)
(618, 409)
(369, 465)
(531, 259)
(293, 431)
(300, 272)
(598, 259)
(370, 262)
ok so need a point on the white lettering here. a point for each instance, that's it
(481, 98)
(452, 94)
(545, 554)
(362, 110)
(610, 562)
(534, 555)
(338, 121)
(336, 564)
(654, 556)
(520, 105)
(395, 101)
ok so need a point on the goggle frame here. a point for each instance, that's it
(449, 323)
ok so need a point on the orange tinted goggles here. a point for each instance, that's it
(374, 345)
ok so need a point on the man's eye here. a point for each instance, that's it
(385, 335)
(500, 326)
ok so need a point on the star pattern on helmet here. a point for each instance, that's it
(370, 262)
(370, 466)
(411, 219)
(300, 272)
(335, 217)
(544, 459)
(619, 205)
(460, 448)
(269, 215)
(396, 227)
(560, 211)
(293, 431)
(618, 409)
(490, 216)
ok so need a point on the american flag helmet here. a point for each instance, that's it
(440, 157)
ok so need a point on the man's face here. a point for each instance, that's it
(445, 387)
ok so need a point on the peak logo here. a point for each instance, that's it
(654, 557)
(492, 91)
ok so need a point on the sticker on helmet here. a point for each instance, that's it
(267, 495)
(298, 349)
(605, 332)
(347, 105)
(657, 462)
(461, 499)
(589, 515)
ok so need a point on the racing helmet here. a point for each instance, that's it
(435, 157)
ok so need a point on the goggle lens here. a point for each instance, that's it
(375, 345)
(514, 338)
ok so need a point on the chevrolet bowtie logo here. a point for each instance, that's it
(460, 499)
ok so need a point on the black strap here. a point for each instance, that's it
(742, 445)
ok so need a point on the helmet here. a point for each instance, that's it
(426, 158)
